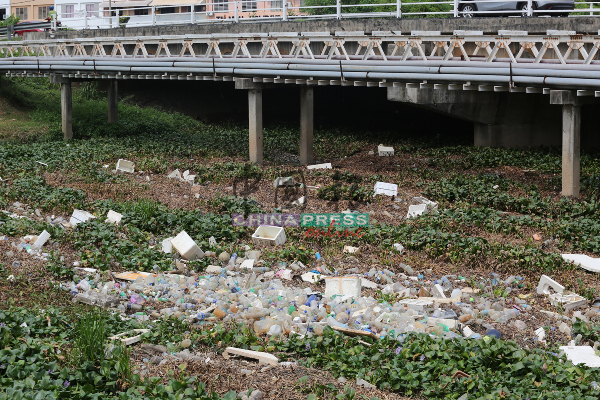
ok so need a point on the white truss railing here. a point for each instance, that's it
(239, 11)
(508, 61)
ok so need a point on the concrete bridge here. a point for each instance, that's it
(520, 87)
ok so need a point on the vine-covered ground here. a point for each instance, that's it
(500, 215)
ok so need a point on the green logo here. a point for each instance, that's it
(352, 220)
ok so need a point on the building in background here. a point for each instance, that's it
(31, 10)
(4, 9)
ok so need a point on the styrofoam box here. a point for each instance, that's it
(113, 217)
(79, 216)
(186, 246)
(125, 166)
(342, 285)
(319, 166)
(431, 205)
(418, 209)
(268, 235)
(582, 355)
(388, 189)
(41, 240)
(416, 304)
(385, 151)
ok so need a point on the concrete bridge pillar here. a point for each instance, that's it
(254, 117)
(306, 124)
(66, 105)
(571, 126)
(113, 111)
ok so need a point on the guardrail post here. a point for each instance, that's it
(85, 18)
(193, 14)
(285, 10)
(153, 16)
(455, 8)
(9, 31)
(398, 8)
(339, 9)
(236, 13)
(529, 8)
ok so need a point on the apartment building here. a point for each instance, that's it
(30, 10)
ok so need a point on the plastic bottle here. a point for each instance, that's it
(133, 306)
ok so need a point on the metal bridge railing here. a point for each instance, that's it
(248, 11)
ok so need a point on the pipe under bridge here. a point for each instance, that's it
(423, 67)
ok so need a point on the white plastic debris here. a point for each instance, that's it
(432, 206)
(319, 166)
(343, 286)
(41, 240)
(467, 332)
(438, 291)
(283, 181)
(350, 249)
(568, 301)
(415, 210)
(267, 235)
(311, 277)
(167, 247)
(263, 358)
(113, 217)
(247, 264)
(126, 339)
(174, 175)
(186, 246)
(546, 282)
(399, 247)
(388, 189)
(417, 304)
(79, 216)
(299, 202)
(540, 333)
(125, 166)
(586, 262)
(368, 284)
(212, 241)
(582, 355)
(385, 151)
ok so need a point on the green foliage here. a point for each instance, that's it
(37, 193)
(427, 366)
(11, 20)
(90, 338)
(336, 191)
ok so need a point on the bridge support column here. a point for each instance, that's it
(113, 111)
(256, 125)
(66, 105)
(255, 116)
(306, 124)
(571, 126)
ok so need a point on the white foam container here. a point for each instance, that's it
(418, 209)
(389, 189)
(385, 151)
(79, 216)
(319, 166)
(343, 286)
(113, 217)
(125, 166)
(186, 246)
(41, 240)
(267, 235)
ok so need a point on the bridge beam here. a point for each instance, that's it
(306, 124)
(571, 126)
(113, 111)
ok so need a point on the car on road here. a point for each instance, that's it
(482, 8)
(21, 28)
